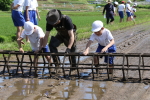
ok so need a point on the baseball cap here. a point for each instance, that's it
(28, 28)
(123, 1)
(53, 16)
(97, 25)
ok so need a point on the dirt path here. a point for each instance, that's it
(130, 40)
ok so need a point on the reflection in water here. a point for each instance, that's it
(2, 80)
(90, 90)
(94, 91)
(24, 87)
(146, 87)
(68, 91)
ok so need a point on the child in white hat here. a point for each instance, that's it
(133, 9)
(105, 42)
(128, 10)
(36, 36)
(31, 12)
(115, 7)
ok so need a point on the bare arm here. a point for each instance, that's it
(38, 15)
(124, 11)
(41, 44)
(129, 9)
(11, 6)
(71, 40)
(27, 14)
(19, 44)
(87, 47)
(15, 7)
(107, 46)
(46, 38)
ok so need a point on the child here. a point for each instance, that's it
(133, 9)
(35, 35)
(121, 10)
(31, 11)
(17, 17)
(115, 7)
(128, 10)
(105, 42)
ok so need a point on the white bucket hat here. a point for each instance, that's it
(129, 1)
(28, 28)
(135, 4)
(116, 2)
(97, 25)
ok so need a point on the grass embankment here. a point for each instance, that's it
(83, 21)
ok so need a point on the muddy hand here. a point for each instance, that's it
(102, 53)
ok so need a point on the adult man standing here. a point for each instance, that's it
(66, 33)
(109, 12)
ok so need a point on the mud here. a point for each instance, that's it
(134, 39)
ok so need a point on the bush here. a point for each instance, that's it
(13, 38)
(3, 39)
(143, 6)
(5, 5)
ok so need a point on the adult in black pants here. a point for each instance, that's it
(109, 8)
(66, 33)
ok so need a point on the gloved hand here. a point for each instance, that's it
(67, 50)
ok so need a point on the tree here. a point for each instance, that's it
(5, 5)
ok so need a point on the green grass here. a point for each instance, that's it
(83, 21)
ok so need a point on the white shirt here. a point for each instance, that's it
(133, 9)
(31, 3)
(34, 37)
(19, 2)
(115, 9)
(103, 39)
(121, 7)
(128, 6)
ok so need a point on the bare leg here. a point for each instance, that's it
(128, 18)
(35, 64)
(96, 59)
(19, 31)
(49, 59)
(120, 20)
(111, 70)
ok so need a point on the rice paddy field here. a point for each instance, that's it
(81, 18)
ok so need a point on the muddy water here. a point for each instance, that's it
(90, 90)
(77, 89)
